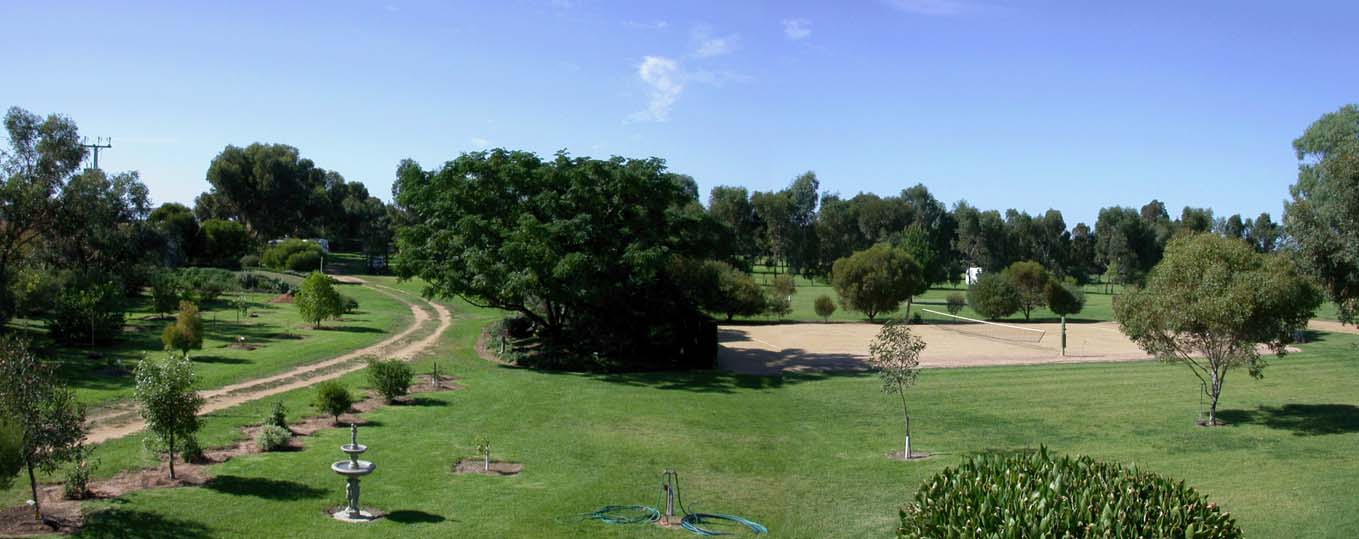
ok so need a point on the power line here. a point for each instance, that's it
(99, 144)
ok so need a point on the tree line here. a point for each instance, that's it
(806, 232)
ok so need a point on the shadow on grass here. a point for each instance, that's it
(1302, 419)
(219, 360)
(269, 489)
(715, 381)
(424, 401)
(127, 523)
(414, 517)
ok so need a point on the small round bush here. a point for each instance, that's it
(304, 261)
(250, 261)
(272, 438)
(391, 378)
(993, 297)
(333, 399)
(955, 303)
(825, 307)
(1039, 495)
(349, 304)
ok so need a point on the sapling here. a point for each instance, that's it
(895, 354)
(482, 445)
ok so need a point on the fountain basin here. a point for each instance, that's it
(349, 469)
(353, 449)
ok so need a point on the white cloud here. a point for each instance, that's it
(481, 143)
(656, 25)
(932, 7)
(707, 45)
(797, 29)
(663, 77)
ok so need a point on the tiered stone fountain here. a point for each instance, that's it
(352, 470)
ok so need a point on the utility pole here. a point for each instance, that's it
(99, 144)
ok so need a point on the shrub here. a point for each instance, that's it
(518, 327)
(304, 261)
(250, 261)
(1038, 495)
(955, 302)
(993, 297)
(349, 304)
(278, 417)
(916, 319)
(777, 304)
(206, 284)
(333, 399)
(76, 482)
(190, 451)
(784, 285)
(255, 282)
(825, 307)
(276, 257)
(272, 438)
(186, 333)
(391, 378)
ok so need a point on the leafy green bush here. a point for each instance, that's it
(190, 451)
(391, 378)
(1039, 495)
(955, 303)
(186, 333)
(222, 243)
(349, 304)
(276, 257)
(76, 483)
(273, 438)
(205, 285)
(333, 399)
(318, 300)
(250, 261)
(304, 261)
(825, 307)
(278, 417)
(255, 282)
(993, 297)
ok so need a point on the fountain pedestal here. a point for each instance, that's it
(352, 470)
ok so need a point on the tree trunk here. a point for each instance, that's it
(487, 461)
(907, 415)
(33, 484)
(1216, 391)
(909, 301)
(172, 456)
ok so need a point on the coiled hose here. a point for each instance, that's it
(618, 514)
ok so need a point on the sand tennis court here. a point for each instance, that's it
(770, 349)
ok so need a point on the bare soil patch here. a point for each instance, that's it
(286, 297)
(241, 346)
(478, 466)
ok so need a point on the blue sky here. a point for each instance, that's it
(1031, 105)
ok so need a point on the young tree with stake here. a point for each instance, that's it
(1210, 302)
(49, 421)
(168, 401)
(1063, 299)
(895, 354)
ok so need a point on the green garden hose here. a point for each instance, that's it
(617, 514)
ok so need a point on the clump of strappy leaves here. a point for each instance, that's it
(1041, 495)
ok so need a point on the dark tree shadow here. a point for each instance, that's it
(270, 489)
(122, 523)
(414, 517)
(423, 401)
(1302, 419)
(219, 360)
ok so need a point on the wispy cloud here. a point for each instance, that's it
(663, 78)
(480, 143)
(707, 45)
(654, 25)
(937, 8)
(797, 29)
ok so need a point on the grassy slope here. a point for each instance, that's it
(803, 454)
(379, 315)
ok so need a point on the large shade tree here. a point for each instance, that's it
(1211, 303)
(583, 247)
(1323, 216)
(876, 280)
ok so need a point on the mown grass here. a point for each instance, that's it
(282, 338)
(804, 454)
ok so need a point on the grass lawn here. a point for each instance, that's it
(802, 454)
(275, 331)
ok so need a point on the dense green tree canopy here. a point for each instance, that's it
(1323, 215)
(1210, 302)
(876, 280)
(167, 400)
(583, 247)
